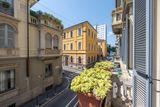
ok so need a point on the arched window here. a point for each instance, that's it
(71, 59)
(55, 42)
(48, 41)
(7, 36)
(79, 60)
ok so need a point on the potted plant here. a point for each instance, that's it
(5, 4)
(92, 86)
(106, 65)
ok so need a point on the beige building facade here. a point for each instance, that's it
(19, 84)
(122, 26)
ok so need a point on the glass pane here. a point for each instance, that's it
(12, 78)
(10, 43)
(2, 29)
(2, 81)
(48, 41)
(2, 43)
(48, 70)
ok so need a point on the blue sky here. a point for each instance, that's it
(75, 11)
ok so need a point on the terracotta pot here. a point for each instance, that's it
(88, 100)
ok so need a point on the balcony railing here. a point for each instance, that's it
(8, 52)
(49, 52)
(6, 8)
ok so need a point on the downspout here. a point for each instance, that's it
(39, 31)
(27, 61)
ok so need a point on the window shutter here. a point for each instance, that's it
(141, 53)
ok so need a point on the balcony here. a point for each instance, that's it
(6, 8)
(117, 20)
(128, 1)
(8, 52)
(49, 53)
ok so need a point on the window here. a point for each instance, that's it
(7, 80)
(55, 42)
(71, 46)
(48, 70)
(79, 31)
(92, 59)
(92, 47)
(7, 36)
(89, 59)
(46, 22)
(88, 32)
(71, 34)
(71, 59)
(64, 47)
(79, 60)
(92, 35)
(89, 47)
(79, 46)
(118, 17)
(48, 41)
(64, 37)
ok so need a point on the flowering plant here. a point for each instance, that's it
(95, 81)
(106, 65)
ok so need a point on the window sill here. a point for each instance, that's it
(8, 94)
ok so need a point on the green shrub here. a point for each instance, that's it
(95, 80)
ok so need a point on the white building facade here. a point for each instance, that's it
(102, 31)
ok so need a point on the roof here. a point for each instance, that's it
(79, 25)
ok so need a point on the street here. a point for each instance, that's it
(67, 98)
(59, 96)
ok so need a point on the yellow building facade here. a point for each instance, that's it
(80, 46)
(102, 48)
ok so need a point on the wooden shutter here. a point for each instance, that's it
(141, 53)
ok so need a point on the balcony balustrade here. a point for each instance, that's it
(9, 52)
(49, 52)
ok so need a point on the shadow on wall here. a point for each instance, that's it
(118, 102)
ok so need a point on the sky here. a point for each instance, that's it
(75, 11)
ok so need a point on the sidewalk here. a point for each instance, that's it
(66, 68)
(41, 99)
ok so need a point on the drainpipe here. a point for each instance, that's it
(27, 61)
(39, 31)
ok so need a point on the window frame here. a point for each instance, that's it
(71, 46)
(64, 46)
(71, 34)
(55, 42)
(9, 34)
(79, 45)
(80, 31)
(50, 72)
(79, 60)
(14, 80)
